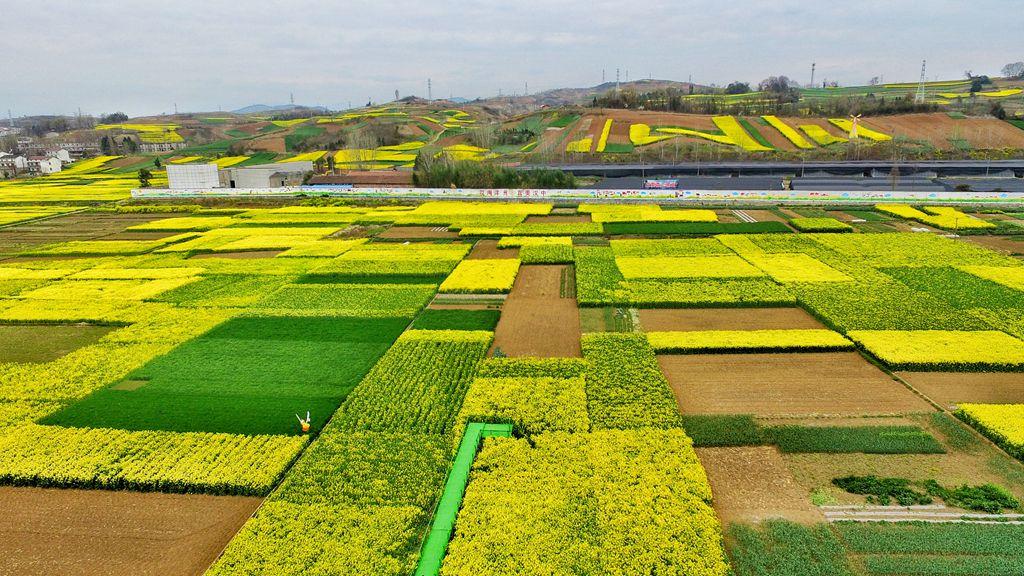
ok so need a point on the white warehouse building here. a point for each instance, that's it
(192, 176)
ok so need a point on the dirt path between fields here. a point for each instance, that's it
(101, 532)
(536, 319)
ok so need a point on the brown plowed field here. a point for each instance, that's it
(1004, 244)
(688, 319)
(536, 320)
(488, 250)
(939, 128)
(951, 388)
(765, 216)
(415, 233)
(751, 484)
(802, 384)
(98, 532)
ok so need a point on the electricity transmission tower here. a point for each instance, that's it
(919, 98)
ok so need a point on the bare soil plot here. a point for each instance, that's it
(771, 134)
(244, 255)
(91, 532)
(488, 250)
(765, 216)
(802, 384)
(559, 219)
(939, 128)
(751, 484)
(1004, 244)
(686, 319)
(952, 388)
(416, 232)
(43, 343)
(536, 319)
(726, 215)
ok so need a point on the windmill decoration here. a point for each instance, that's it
(854, 126)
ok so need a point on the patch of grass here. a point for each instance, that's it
(457, 320)
(781, 548)
(722, 430)
(563, 121)
(300, 134)
(755, 133)
(956, 435)
(369, 279)
(846, 439)
(618, 148)
(883, 491)
(246, 376)
(43, 343)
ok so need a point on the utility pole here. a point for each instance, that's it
(919, 98)
(175, 108)
(602, 75)
(396, 94)
(430, 90)
(814, 65)
(291, 98)
(616, 79)
(10, 118)
(526, 88)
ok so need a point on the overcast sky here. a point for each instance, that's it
(143, 57)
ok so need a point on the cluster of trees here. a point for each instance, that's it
(442, 172)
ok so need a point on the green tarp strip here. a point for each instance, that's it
(436, 543)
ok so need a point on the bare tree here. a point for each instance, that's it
(1013, 70)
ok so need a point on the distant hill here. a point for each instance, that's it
(573, 96)
(263, 108)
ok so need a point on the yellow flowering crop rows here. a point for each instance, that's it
(306, 157)
(1010, 276)
(732, 128)
(943, 350)
(640, 135)
(482, 276)
(820, 135)
(747, 340)
(602, 141)
(719, 138)
(787, 131)
(227, 161)
(795, 268)
(938, 216)
(582, 145)
(1003, 423)
(862, 131)
(687, 267)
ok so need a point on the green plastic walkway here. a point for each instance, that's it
(436, 543)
